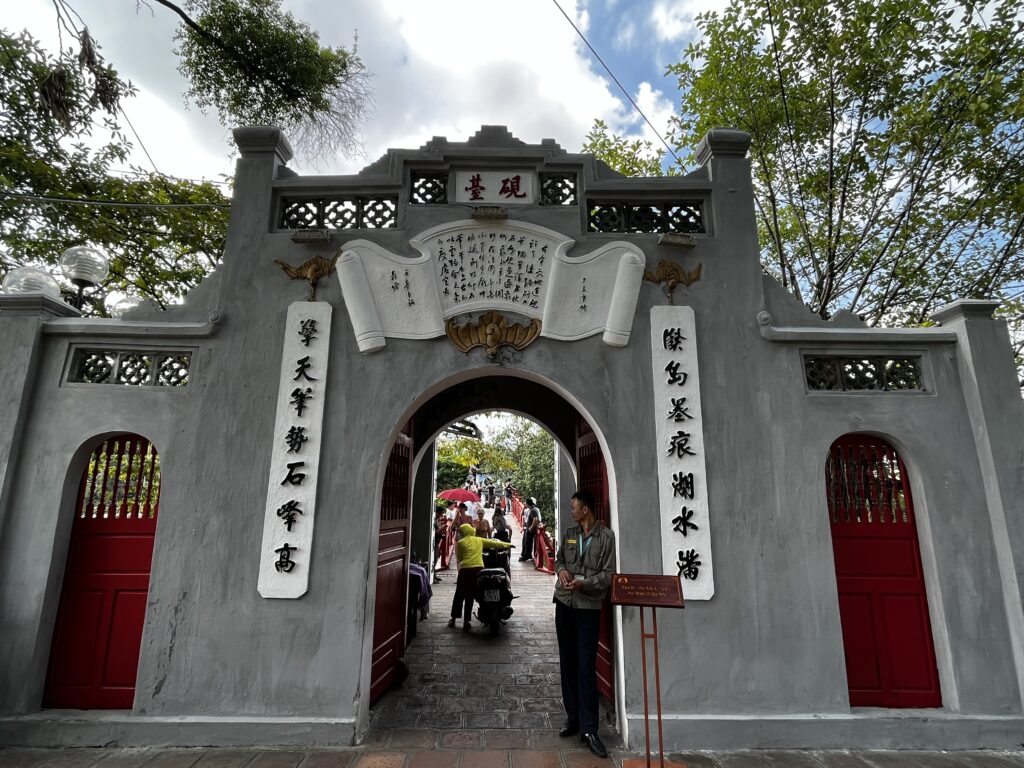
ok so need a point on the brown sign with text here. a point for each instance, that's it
(646, 589)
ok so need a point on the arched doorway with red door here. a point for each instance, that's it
(94, 654)
(883, 602)
(437, 671)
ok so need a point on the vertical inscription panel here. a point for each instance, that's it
(295, 452)
(682, 472)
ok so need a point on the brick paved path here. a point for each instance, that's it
(474, 691)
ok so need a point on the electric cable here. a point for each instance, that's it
(621, 88)
(108, 203)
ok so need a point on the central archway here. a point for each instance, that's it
(545, 402)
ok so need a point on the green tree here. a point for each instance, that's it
(887, 146)
(532, 451)
(465, 452)
(254, 63)
(163, 235)
(631, 158)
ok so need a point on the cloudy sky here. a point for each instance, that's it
(439, 68)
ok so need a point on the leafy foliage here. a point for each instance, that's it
(630, 158)
(255, 64)
(887, 146)
(50, 109)
(533, 451)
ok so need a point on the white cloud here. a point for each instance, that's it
(438, 69)
(624, 37)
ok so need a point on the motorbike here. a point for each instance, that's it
(493, 592)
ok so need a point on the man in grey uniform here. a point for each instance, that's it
(584, 566)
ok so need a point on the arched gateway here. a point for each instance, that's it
(632, 318)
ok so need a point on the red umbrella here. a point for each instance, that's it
(458, 494)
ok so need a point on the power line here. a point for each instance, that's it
(613, 77)
(139, 138)
(147, 174)
(108, 203)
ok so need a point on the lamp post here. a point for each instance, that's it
(85, 266)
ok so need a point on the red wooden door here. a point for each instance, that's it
(593, 477)
(387, 665)
(94, 656)
(887, 638)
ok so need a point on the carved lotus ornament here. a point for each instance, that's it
(491, 331)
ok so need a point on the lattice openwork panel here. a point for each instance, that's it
(122, 480)
(394, 503)
(429, 188)
(132, 368)
(866, 482)
(863, 374)
(339, 212)
(93, 367)
(685, 216)
(557, 189)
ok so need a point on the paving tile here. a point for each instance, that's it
(836, 758)
(127, 758)
(583, 759)
(508, 738)
(226, 758)
(175, 758)
(440, 718)
(486, 719)
(527, 720)
(689, 759)
(495, 759)
(768, 759)
(993, 759)
(434, 759)
(380, 760)
(914, 759)
(551, 705)
(412, 738)
(55, 758)
(530, 759)
(274, 759)
(461, 739)
(548, 738)
(396, 719)
(329, 758)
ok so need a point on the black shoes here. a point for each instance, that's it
(569, 729)
(593, 742)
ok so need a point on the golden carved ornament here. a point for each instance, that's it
(491, 331)
(671, 273)
(312, 270)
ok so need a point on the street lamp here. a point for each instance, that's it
(30, 280)
(85, 266)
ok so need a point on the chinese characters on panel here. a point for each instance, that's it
(491, 265)
(295, 452)
(682, 475)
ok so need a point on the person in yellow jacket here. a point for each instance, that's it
(470, 552)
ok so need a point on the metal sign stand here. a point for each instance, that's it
(649, 591)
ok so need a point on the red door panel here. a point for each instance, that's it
(94, 655)
(386, 661)
(883, 607)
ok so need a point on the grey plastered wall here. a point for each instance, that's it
(755, 665)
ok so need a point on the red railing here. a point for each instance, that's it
(517, 510)
(544, 551)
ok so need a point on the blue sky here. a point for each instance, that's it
(440, 68)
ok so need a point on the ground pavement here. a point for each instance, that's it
(473, 701)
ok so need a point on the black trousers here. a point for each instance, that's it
(577, 630)
(465, 590)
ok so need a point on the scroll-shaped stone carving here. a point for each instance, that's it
(492, 331)
(505, 266)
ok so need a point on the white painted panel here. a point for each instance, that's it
(304, 357)
(682, 471)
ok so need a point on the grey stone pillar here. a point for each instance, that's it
(993, 399)
(565, 482)
(21, 322)
(421, 537)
